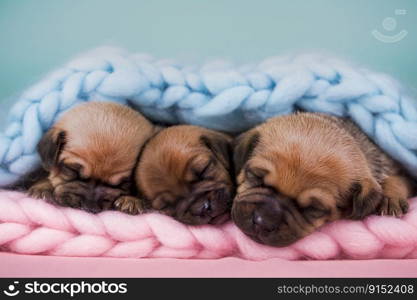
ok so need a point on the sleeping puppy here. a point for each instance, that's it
(90, 154)
(185, 172)
(297, 172)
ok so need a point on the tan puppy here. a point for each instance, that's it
(90, 154)
(297, 172)
(185, 172)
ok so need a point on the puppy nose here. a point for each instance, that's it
(205, 208)
(90, 205)
(99, 193)
(267, 218)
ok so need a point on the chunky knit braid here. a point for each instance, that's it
(30, 226)
(216, 95)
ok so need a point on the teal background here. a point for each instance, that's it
(38, 35)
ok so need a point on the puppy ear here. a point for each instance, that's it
(243, 147)
(50, 146)
(220, 146)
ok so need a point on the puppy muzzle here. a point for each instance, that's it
(265, 218)
(88, 197)
(205, 206)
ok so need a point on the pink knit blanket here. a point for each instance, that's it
(30, 226)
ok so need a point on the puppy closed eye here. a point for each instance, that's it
(316, 209)
(203, 170)
(255, 175)
(124, 183)
(315, 212)
(70, 170)
(200, 170)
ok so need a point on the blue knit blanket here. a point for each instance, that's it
(217, 95)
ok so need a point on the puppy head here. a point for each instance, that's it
(184, 172)
(294, 174)
(90, 154)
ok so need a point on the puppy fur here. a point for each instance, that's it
(186, 172)
(90, 154)
(298, 172)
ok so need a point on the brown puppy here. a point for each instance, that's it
(185, 172)
(90, 154)
(297, 172)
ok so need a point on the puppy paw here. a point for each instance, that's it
(396, 191)
(42, 190)
(129, 205)
(366, 201)
(393, 206)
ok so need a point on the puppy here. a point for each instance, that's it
(185, 172)
(90, 154)
(297, 172)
